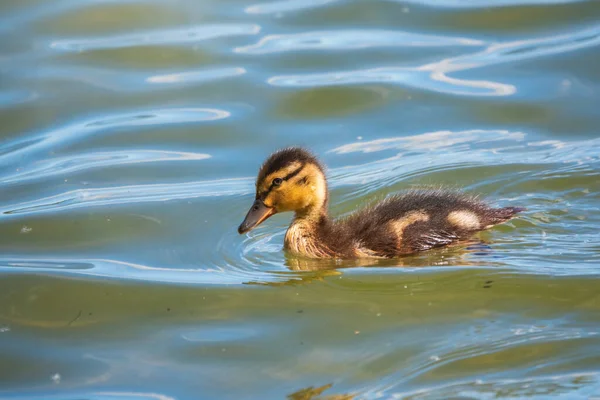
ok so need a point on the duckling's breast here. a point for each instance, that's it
(302, 239)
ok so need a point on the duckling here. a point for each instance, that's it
(293, 179)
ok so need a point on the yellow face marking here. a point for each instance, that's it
(316, 183)
(289, 198)
(464, 219)
(399, 225)
(280, 173)
(306, 190)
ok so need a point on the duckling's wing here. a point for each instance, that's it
(420, 220)
(433, 238)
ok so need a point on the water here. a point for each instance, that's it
(131, 134)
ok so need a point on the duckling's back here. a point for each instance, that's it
(420, 220)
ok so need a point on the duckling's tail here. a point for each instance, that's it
(499, 215)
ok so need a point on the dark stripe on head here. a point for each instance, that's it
(284, 157)
(293, 173)
(285, 178)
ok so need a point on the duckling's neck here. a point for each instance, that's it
(313, 213)
(304, 236)
(316, 212)
(310, 225)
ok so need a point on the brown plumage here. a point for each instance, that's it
(292, 179)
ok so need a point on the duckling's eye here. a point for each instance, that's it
(277, 181)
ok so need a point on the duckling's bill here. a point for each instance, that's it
(257, 214)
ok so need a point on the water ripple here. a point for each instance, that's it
(176, 36)
(276, 7)
(98, 395)
(430, 141)
(83, 161)
(131, 82)
(82, 129)
(577, 386)
(351, 39)
(435, 76)
(196, 76)
(15, 97)
(131, 194)
(116, 269)
(488, 4)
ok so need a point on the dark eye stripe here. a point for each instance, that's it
(293, 173)
(285, 178)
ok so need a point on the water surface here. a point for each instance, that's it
(131, 134)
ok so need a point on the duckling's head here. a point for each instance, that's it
(291, 179)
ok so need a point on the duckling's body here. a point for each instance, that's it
(293, 180)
